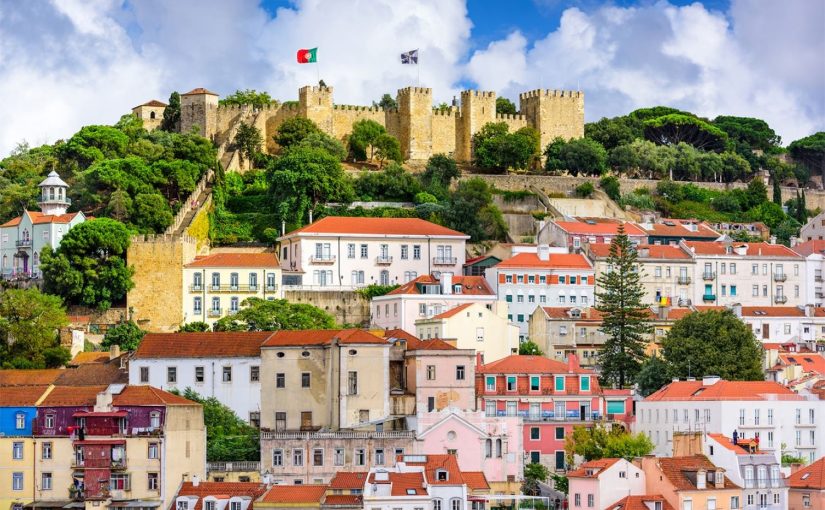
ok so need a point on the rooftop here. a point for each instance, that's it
(293, 494)
(377, 226)
(453, 311)
(598, 228)
(680, 228)
(81, 358)
(554, 261)
(153, 102)
(521, 364)
(470, 286)
(644, 251)
(223, 344)
(741, 447)
(810, 247)
(72, 396)
(593, 468)
(29, 377)
(809, 477)
(810, 362)
(475, 480)
(255, 260)
(721, 390)
(645, 502)
(750, 249)
(348, 480)
(403, 484)
(678, 470)
(199, 90)
(38, 218)
(149, 396)
(252, 490)
(322, 337)
(438, 462)
(21, 396)
(772, 311)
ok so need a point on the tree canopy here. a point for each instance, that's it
(263, 315)
(810, 151)
(472, 212)
(600, 441)
(127, 335)
(247, 97)
(29, 324)
(171, 114)
(387, 102)
(248, 141)
(676, 127)
(505, 107)
(292, 131)
(495, 148)
(228, 438)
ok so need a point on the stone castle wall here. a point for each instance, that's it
(348, 307)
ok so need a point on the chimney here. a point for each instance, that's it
(710, 380)
(114, 351)
(103, 402)
(446, 283)
(772, 239)
(736, 308)
(544, 252)
(742, 249)
(794, 241)
(644, 252)
(664, 311)
(196, 480)
(795, 467)
(283, 227)
(479, 359)
(572, 362)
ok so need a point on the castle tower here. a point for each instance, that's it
(415, 109)
(477, 108)
(199, 107)
(315, 104)
(53, 195)
(151, 113)
(554, 113)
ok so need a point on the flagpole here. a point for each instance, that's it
(418, 68)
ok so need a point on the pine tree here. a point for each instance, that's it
(777, 192)
(802, 209)
(624, 317)
(171, 114)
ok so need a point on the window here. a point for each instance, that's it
(535, 433)
(511, 383)
(520, 298)
(459, 373)
(590, 500)
(280, 380)
(416, 252)
(233, 304)
(255, 373)
(430, 372)
(559, 432)
(297, 457)
(559, 383)
(216, 281)
(379, 457)
(152, 481)
(198, 374)
(171, 375)
(154, 419)
(404, 252)
(17, 481)
(17, 450)
(226, 374)
(508, 298)
(119, 481)
(360, 458)
(305, 380)
(520, 317)
(364, 251)
(351, 251)
(19, 421)
(144, 374)
(277, 457)
(585, 383)
(352, 383)
(233, 281)
(338, 457)
(152, 452)
(455, 504)
(734, 502)
(577, 499)
(46, 450)
(490, 383)
(437, 504)
(535, 383)
(318, 457)
(733, 290)
(236, 505)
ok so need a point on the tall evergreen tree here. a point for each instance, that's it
(802, 209)
(171, 114)
(777, 191)
(625, 318)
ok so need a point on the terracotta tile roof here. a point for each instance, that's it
(224, 344)
(400, 334)
(819, 311)
(470, 286)
(722, 390)
(810, 247)
(222, 490)
(810, 362)
(593, 468)
(521, 364)
(70, 396)
(727, 443)
(437, 462)
(343, 500)
(199, 90)
(153, 102)
(654, 251)
(377, 226)
(473, 260)
(640, 503)
(348, 480)
(403, 482)
(679, 229)
(771, 345)
(149, 396)
(752, 249)
(433, 344)
(554, 261)
(772, 311)
(598, 228)
(475, 480)
(810, 477)
(93, 374)
(81, 358)
(38, 218)
(292, 494)
(29, 377)
(676, 468)
(267, 260)
(563, 312)
(674, 314)
(21, 396)
(707, 308)
(322, 337)
(453, 311)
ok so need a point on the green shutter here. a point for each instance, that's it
(559, 383)
(585, 383)
(616, 407)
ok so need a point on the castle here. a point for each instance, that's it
(421, 129)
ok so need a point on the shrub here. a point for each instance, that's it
(585, 190)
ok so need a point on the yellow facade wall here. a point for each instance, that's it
(9, 466)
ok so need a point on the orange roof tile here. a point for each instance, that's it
(69, 396)
(94, 374)
(772, 311)
(809, 477)
(470, 286)
(810, 247)
(438, 462)
(598, 228)
(322, 337)
(348, 480)
(403, 483)
(38, 218)
(810, 362)
(475, 480)
(640, 503)
(153, 102)
(377, 226)
(224, 344)
(679, 229)
(82, 358)
(722, 390)
(268, 260)
(521, 364)
(563, 312)
(400, 334)
(20, 396)
(199, 90)
(343, 500)
(676, 468)
(752, 249)
(727, 443)
(29, 377)
(291, 494)
(554, 261)
(222, 490)
(654, 251)
(453, 311)
(593, 468)
(433, 344)
(149, 396)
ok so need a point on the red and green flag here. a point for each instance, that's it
(308, 56)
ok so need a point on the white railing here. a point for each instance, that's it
(306, 436)
(324, 288)
(233, 466)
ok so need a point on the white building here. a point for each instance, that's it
(224, 365)
(600, 483)
(530, 280)
(814, 253)
(216, 285)
(767, 409)
(430, 482)
(23, 238)
(750, 274)
(336, 252)
(814, 230)
(427, 296)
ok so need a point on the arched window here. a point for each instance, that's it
(152, 115)
(437, 504)
(36, 259)
(488, 448)
(498, 448)
(455, 504)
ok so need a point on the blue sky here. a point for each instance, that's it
(69, 63)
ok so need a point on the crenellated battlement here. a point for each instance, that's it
(356, 108)
(408, 91)
(510, 116)
(478, 93)
(315, 89)
(450, 112)
(551, 93)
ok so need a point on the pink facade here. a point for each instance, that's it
(601, 483)
(440, 376)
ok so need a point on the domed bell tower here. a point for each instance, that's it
(53, 195)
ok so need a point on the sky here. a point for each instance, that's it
(69, 63)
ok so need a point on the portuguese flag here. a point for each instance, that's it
(308, 56)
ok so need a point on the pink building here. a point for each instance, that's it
(807, 487)
(427, 296)
(691, 482)
(598, 483)
(490, 444)
(551, 397)
(574, 234)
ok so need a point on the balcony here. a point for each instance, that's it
(195, 288)
(683, 280)
(709, 297)
(323, 259)
(781, 300)
(226, 467)
(23, 243)
(709, 275)
(271, 288)
(780, 277)
(445, 261)
(818, 278)
(684, 302)
(550, 416)
(214, 312)
(225, 288)
(383, 261)
(820, 295)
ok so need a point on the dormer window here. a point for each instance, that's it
(441, 475)
(456, 289)
(209, 505)
(719, 478)
(701, 479)
(184, 504)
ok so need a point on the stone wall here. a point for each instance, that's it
(445, 132)
(554, 113)
(348, 307)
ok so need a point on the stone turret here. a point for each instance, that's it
(477, 108)
(54, 195)
(415, 106)
(199, 108)
(554, 113)
(315, 104)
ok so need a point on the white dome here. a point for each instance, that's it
(53, 180)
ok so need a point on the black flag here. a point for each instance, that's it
(410, 57)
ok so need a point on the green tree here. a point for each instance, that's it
(171, 114)
(292, 131)
(585, 189)
(303, 178)
(391, 183)
(488, 145)
(625, 318)
(194, 327)
(578, 156)
(755, 194)
(529, 348)
(643, 114)
(228, 438)
(471, 211)
(505, 107)
(126, 334)
(734, 167)
(611, 133)
(652, 375)
(56, 357)
(363, 138)
(675, 128)
(713, 343)
(92, 144)
(788, 228)
(810, 152)
(387, 148)
(439, 174)
(611, 186)
(29, 325)
(599, 441)
(777, 192)
(120, 206)
(560, 483)
(249, 96)
(387, 102)
(152, 212)
(755, 133)
(323, 141)
(89, 268)
(262, 315)
(533, 474)
(248, 142)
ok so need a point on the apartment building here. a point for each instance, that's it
(750, 274)
(671, 231)
(807, 487)
(439, 375)
(814, 253)
(18, 408)
(225, 365)
(690, 482)
(216, 285)
(200, 495)
(344, 252)
(763, 409)
(529, 280)
(600, 483)
(814, 229)
(575, 234)
(551, 397)
(418, 481)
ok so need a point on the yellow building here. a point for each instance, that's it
(474, 326)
